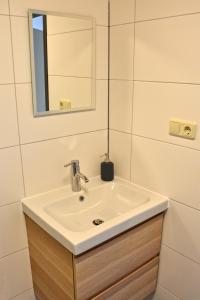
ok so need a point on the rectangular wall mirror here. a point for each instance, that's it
(62, 61)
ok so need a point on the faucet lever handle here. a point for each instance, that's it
(74, 163)
(68, 165)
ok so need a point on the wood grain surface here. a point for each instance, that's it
(135, 286)
(103, 266)
(51, 264)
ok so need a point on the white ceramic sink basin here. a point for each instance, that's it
(69, 217)
(103, 202)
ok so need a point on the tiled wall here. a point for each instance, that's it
(162, 82)
(34, 150)
(122, 14)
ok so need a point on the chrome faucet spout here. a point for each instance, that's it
(82, 176)
(76, 175)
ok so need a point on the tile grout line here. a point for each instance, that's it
(169, 17)
(132, 102)
(7, 83)
(10, 204)
(156, 81)
(120, 79)
(109, 33)
(54, 138)
(120, 131)
(164, 142)
(4, 15)
(179, 253)
(25, 291)
(12, 253)
(156, 140)
(164, 288)
(167, 82)
(8, 147)
(186, 205)
(122, 24)
(17, 111)
(155, 19)
(64, 136)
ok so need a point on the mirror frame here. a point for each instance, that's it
(93, 68)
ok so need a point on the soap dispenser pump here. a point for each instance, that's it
(107, 169)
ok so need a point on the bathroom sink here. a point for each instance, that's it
(82, 220)
(104, 203)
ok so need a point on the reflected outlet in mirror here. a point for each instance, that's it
(63, 62)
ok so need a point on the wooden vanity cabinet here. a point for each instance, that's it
(122, 268)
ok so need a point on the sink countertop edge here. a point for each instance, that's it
(78, 245)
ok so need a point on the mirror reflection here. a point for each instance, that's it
(63, 62)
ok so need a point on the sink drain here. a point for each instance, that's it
(81, 198)
(97, 222)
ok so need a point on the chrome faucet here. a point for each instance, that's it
(76, 175)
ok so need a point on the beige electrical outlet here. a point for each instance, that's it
(182, 128)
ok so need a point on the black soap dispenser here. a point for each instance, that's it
(107, 169)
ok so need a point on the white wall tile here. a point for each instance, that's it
(6, 71)
(156, 103)
(8, 116)
(120, 153)
(4, 9)
(180, 230)
(162, 294)
(21, 50)
(13, 235)
(172, 170)
(121, 96)
(121, 51)
(179, 275)
(165, 54)
(11, 184)
(44, 162)
(96, 8)
(101, 52)
(28, 295)
(35, 129)
(151, 9)
(122, 11)
(15, 275)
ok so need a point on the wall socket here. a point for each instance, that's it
(182, 128)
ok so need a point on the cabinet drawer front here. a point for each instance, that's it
(103, 266)
(135, 286)
(51, 264)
